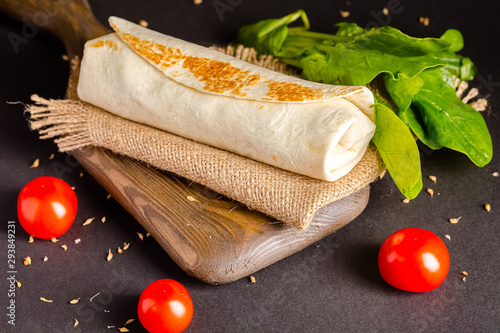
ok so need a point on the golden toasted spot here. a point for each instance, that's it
(292, 92)
(101, 43)
(218, 76)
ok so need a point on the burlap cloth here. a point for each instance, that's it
(286, 196)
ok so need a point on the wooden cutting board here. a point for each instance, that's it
(212, 238)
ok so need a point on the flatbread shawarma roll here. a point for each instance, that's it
(309, 128)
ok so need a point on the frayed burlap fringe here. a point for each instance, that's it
(289, 197)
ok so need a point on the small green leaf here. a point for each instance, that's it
(455, 38)
(402, 91)
(347, 29)
(398, 150)
(417, 125)
(267, 36)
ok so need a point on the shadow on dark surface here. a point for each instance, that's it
(363, 261)
(9, 202)
(122, 308)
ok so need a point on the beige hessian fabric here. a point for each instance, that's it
(286, 196)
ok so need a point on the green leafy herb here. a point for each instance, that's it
(449, 122)
(418, 74)
(398, 150)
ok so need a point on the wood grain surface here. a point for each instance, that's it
(210, 237)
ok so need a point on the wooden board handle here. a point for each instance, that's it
(72, 21)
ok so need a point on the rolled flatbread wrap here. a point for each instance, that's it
(309, 128)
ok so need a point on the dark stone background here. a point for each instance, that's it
(331, 286)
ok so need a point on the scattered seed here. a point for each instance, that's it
(480, 104)
(385, 11)
(126, 246)
(31, 239)
(54, 240)
(73, 188)
(252, 279)
(464, 273)
(424, 20)
(35, 163)
(455, 220)
(108, 196)
(88, 221)
(27, 261)
(18, 284)
(141, 236)
(470, 95)
(431, 192)
(463, 279)
(143, 23)
(192, 199)
(106, 311)
(406, 200)
(64, 247)
(148, 234)
(76, 323)
(109, 256)
(119, 250)
(487, 207)
(65, 57)
(123, 329)
(81, 174)
(382, 174)
(197, 2)
(75, 301)
(51, 157)
(103, 219)
(109, 327)
(46, 300)
(461, 88)
(92, 298)
(495, 174)
(433, 178)
(45, 258)
(130, 321)
(78, 240)
(344, 13)
(448, 237)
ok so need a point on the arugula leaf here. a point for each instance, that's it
(398, 150)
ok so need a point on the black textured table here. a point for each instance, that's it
(331, 286)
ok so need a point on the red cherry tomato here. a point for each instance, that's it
(165, 306)
(414, 259)
(46, 207)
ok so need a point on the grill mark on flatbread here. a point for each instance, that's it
(219, 76)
